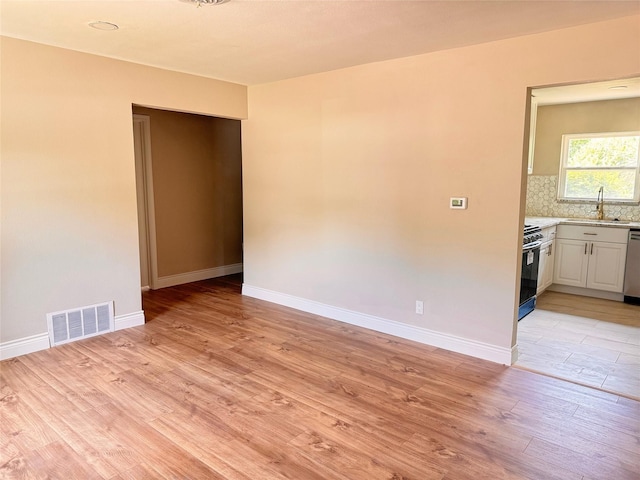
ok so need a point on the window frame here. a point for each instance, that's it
(562, 176)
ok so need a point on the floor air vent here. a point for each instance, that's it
(70, 325)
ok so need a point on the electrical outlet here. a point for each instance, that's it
(419, 307)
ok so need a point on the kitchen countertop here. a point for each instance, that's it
(545, 222)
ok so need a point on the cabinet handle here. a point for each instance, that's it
(592, 249)
(550, 249)
(593, 234)
(585, 248)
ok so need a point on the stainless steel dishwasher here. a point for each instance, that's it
(632, 271)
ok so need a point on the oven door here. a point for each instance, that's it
(529, 278)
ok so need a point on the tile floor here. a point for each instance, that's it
(586, 340)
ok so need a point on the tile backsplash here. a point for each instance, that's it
(542, 202)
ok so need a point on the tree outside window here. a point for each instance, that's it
(594, 160)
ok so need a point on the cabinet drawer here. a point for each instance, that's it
(593, 234)
(548, 234)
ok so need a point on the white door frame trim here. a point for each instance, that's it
(143, 135)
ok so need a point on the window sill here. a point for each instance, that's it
(626, 203)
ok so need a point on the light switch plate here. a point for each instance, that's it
(459, 203)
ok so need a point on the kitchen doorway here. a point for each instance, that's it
(585, 340)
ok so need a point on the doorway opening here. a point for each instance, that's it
(189, 192)
(580, 338)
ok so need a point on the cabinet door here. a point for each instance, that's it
(547, 279)
(543, 267)
(606, 266)
(571, 260)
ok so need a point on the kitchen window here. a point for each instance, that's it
(593, 160)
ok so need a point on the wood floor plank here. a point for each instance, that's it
(623, 419)
(355, 463)
(67, 377)
(22, 426)
(281, 463)
(325, 432)
(542, 423)
(578, 462)
(512, 381)
(462, 461)
(138, 472)
(484, 422)
(326, 398)
(219, 386)
(74, 426)
(58, 460)
(354, 435)
(167, 458)
(195, 436)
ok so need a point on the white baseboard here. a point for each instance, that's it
(129, 320)
(514, 354)
(181, 278)
(465, 346)
(22, 346)
(35, 343)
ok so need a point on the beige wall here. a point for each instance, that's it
(197, 184)
(588, 117)
(347, 177)
(69, 219)
(348, 174)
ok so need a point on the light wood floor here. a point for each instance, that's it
(217, 386)
(587, 340)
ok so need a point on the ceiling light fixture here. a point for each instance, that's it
(199, 3)
(618, 87)
(103, 25)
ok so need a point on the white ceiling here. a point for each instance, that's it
(257, 41)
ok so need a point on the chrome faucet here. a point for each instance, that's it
(600, 208)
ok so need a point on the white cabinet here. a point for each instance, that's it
(545, 269)
(591, 257)
(606, 266)
(571, 262)
(547, 256)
